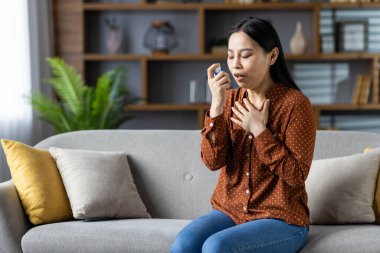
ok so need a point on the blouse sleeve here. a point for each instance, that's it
(214, 150)
(292, 159)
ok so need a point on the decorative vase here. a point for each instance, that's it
(114, 40)
(246, 1)
(298, 41)
(160, 37)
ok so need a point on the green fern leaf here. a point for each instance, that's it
(87, 116)
(80, 106)
(68, 85)
(118, 79)
(50, 111)
(101, 102)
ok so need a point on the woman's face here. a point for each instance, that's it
(247, 61)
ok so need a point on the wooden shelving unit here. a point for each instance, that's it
(222, 6)
(343, 109)
(208, 57)
(69, 16)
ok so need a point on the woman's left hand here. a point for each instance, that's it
(251, 119)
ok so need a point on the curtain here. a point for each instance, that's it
(24, 45)
(15, 75)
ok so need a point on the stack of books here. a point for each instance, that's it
(360, 95)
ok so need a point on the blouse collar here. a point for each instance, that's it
(273, 93)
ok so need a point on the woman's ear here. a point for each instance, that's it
(273, 55)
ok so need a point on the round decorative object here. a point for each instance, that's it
(160, 37)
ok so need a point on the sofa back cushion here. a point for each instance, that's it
(341, 190)
(99, 184)
(167, 168)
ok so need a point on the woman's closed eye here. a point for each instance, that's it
(243, 56)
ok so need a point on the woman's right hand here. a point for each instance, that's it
(218, 86)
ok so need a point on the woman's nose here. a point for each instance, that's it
(236, 63)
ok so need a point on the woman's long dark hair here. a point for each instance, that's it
(266, 36)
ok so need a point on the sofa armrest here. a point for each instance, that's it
(13, 220)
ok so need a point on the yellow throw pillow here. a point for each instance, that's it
(38, 183)
(376, 201)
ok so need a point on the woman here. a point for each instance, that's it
(261, 136)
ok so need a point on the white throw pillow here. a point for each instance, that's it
(341, 190)
(99, 184)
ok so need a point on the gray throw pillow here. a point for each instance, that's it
(99, 184)
(341, 190)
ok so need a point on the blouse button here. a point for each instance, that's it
(247, 191)
(189, 177)
(275, 135)
(247, 155)
(247, 173)
(250, 137)
(211, 124)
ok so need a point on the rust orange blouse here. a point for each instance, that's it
(262, 177)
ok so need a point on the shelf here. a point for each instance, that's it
(333, 56)
(196, 107)
(142, 6)
(168, 57)
(211, 57)
(221, 6)
(319, 109)
(200, 109)
(260, 6)
(168, 107)
(112, 57)
(348, 5)
(344, 109)
(195, 6)
(347, 107)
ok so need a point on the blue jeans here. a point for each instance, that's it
(215, 232)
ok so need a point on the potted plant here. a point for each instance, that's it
(80, 106)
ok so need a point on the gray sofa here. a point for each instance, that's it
(175, 186)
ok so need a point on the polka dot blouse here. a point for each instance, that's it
(262, 176)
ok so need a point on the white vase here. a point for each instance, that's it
(113, 40)
(298, 43)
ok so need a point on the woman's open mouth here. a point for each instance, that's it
(239, 77)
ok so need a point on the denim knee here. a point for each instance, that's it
(216, 243)
(184, 243)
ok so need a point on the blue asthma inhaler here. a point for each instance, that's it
(217, 70)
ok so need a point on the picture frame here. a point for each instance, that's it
(352, 36)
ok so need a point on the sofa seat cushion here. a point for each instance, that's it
(157, 235)
(343, 239)
(126, 235)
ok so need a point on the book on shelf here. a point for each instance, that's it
(375, 92)
(362, 89)
(366, 87)
(357, 89)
